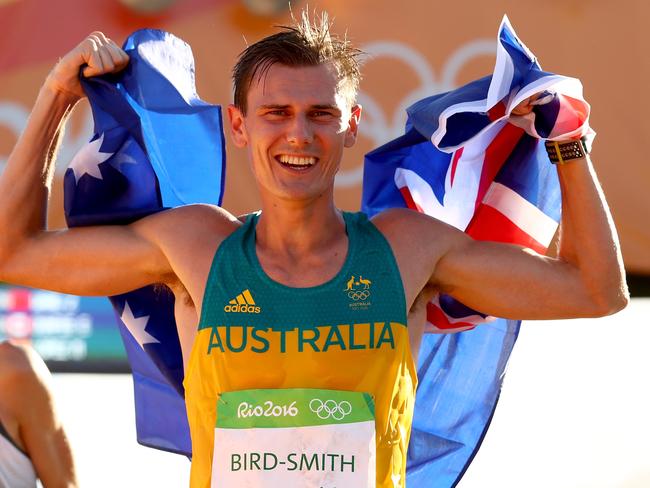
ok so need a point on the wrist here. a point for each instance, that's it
(53, 89)
(57, 101)
(52, 107)
(563, 152)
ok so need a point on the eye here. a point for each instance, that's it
(277, 113)
(321, 114)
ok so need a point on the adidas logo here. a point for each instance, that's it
(242, 303)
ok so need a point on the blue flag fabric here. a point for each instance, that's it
(466, 159)
(156, 146)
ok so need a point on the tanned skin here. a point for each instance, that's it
(28, 413)
(301, 240)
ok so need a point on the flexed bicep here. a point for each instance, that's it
(506, 280)
(587, 279)
(497, 279)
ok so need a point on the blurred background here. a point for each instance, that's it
(416, 48)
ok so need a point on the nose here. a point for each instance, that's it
(300, 132)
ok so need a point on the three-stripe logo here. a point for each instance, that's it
(242, 303)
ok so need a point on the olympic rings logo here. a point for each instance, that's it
(358, 295)
(330, 408)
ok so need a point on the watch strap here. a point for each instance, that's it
(561, 152)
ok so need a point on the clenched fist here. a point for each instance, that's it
(98, 52)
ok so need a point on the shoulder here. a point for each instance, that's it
(188, 238)
(414, 236)
(397, 217)
(192, 216)
(418, 242)
(188, 222)
(21, 370)
(16, 358)
(403, 225)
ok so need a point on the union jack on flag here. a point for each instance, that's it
(467, 160)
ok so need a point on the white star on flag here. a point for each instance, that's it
(87, 160)
(136, 326)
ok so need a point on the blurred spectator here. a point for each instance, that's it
(33, 443)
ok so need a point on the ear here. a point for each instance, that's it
(353, 126)
(237, 126)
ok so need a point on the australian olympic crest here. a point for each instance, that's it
(358, 291)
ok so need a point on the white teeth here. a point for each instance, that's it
(297, 160)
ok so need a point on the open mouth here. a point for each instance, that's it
(300, 163)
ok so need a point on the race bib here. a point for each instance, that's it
(294, 438)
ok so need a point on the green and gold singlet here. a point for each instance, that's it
(302, 387)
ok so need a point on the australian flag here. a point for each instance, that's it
(467, 160)
(156, 146)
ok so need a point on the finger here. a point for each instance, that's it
(525, 103)
(107, 61)
(96, 39)
(532, 101)
(100, 60)
(101, 36)
(91, 57)
(119, 57)
(524, 107)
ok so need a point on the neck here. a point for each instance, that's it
(297, 228)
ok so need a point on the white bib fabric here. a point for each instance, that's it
(16, 469)
(294, 437)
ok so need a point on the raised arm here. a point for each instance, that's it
(100, 260)
(586, 279)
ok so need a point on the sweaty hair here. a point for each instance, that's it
(305, 43)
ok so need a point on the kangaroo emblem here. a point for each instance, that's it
(350, 284)
(366, 283)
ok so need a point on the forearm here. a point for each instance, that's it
(42, 431)
(26, 181)
(57, 468)
(588, 239)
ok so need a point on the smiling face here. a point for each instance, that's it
(296, 125)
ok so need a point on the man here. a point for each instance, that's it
(33, 443)
(301, 302)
